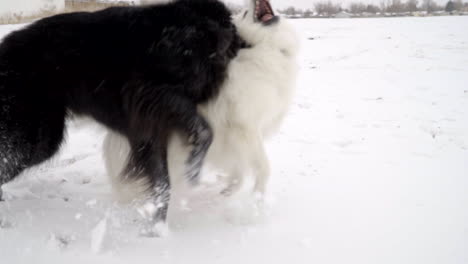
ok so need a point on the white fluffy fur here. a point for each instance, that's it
(251, 106)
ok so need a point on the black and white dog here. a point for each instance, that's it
(250, 106)
(140, 71)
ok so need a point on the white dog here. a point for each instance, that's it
(252, 103)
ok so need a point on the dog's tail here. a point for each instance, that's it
(13, 156)
(31, 128)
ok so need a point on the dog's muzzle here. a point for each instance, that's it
(264, 12)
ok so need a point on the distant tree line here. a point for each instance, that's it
(456, 5)
(329, 8)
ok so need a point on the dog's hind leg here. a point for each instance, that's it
(138, 173)
(186, 119)
(249, 153)
(173, 113)
(154, 118)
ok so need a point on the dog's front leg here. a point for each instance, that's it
(247, 151)
(235, 179)
(154, 211)
(258, 163)
(199, 133)
(148, 163)
(261, 168)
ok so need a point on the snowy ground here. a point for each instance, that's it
(371, 166)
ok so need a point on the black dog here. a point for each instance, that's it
(140, 71)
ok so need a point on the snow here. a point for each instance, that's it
(371, 166)
(28, 7)
(98, 235)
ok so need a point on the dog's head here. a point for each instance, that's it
(260, 27)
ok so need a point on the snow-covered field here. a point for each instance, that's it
(28, 7)
(371, 166)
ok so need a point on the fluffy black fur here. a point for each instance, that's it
(140, 71)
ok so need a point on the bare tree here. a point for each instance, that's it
(308, 13)
(357, 8)
(290, 11)
(458, 5)
(449, 7)
(412, 6)
(372, 9)
(383, 6)
(431, 6)
(327, 8)
(396, 6)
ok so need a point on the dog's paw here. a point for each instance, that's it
(159, 229)
(233, 186)
(154, 225)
